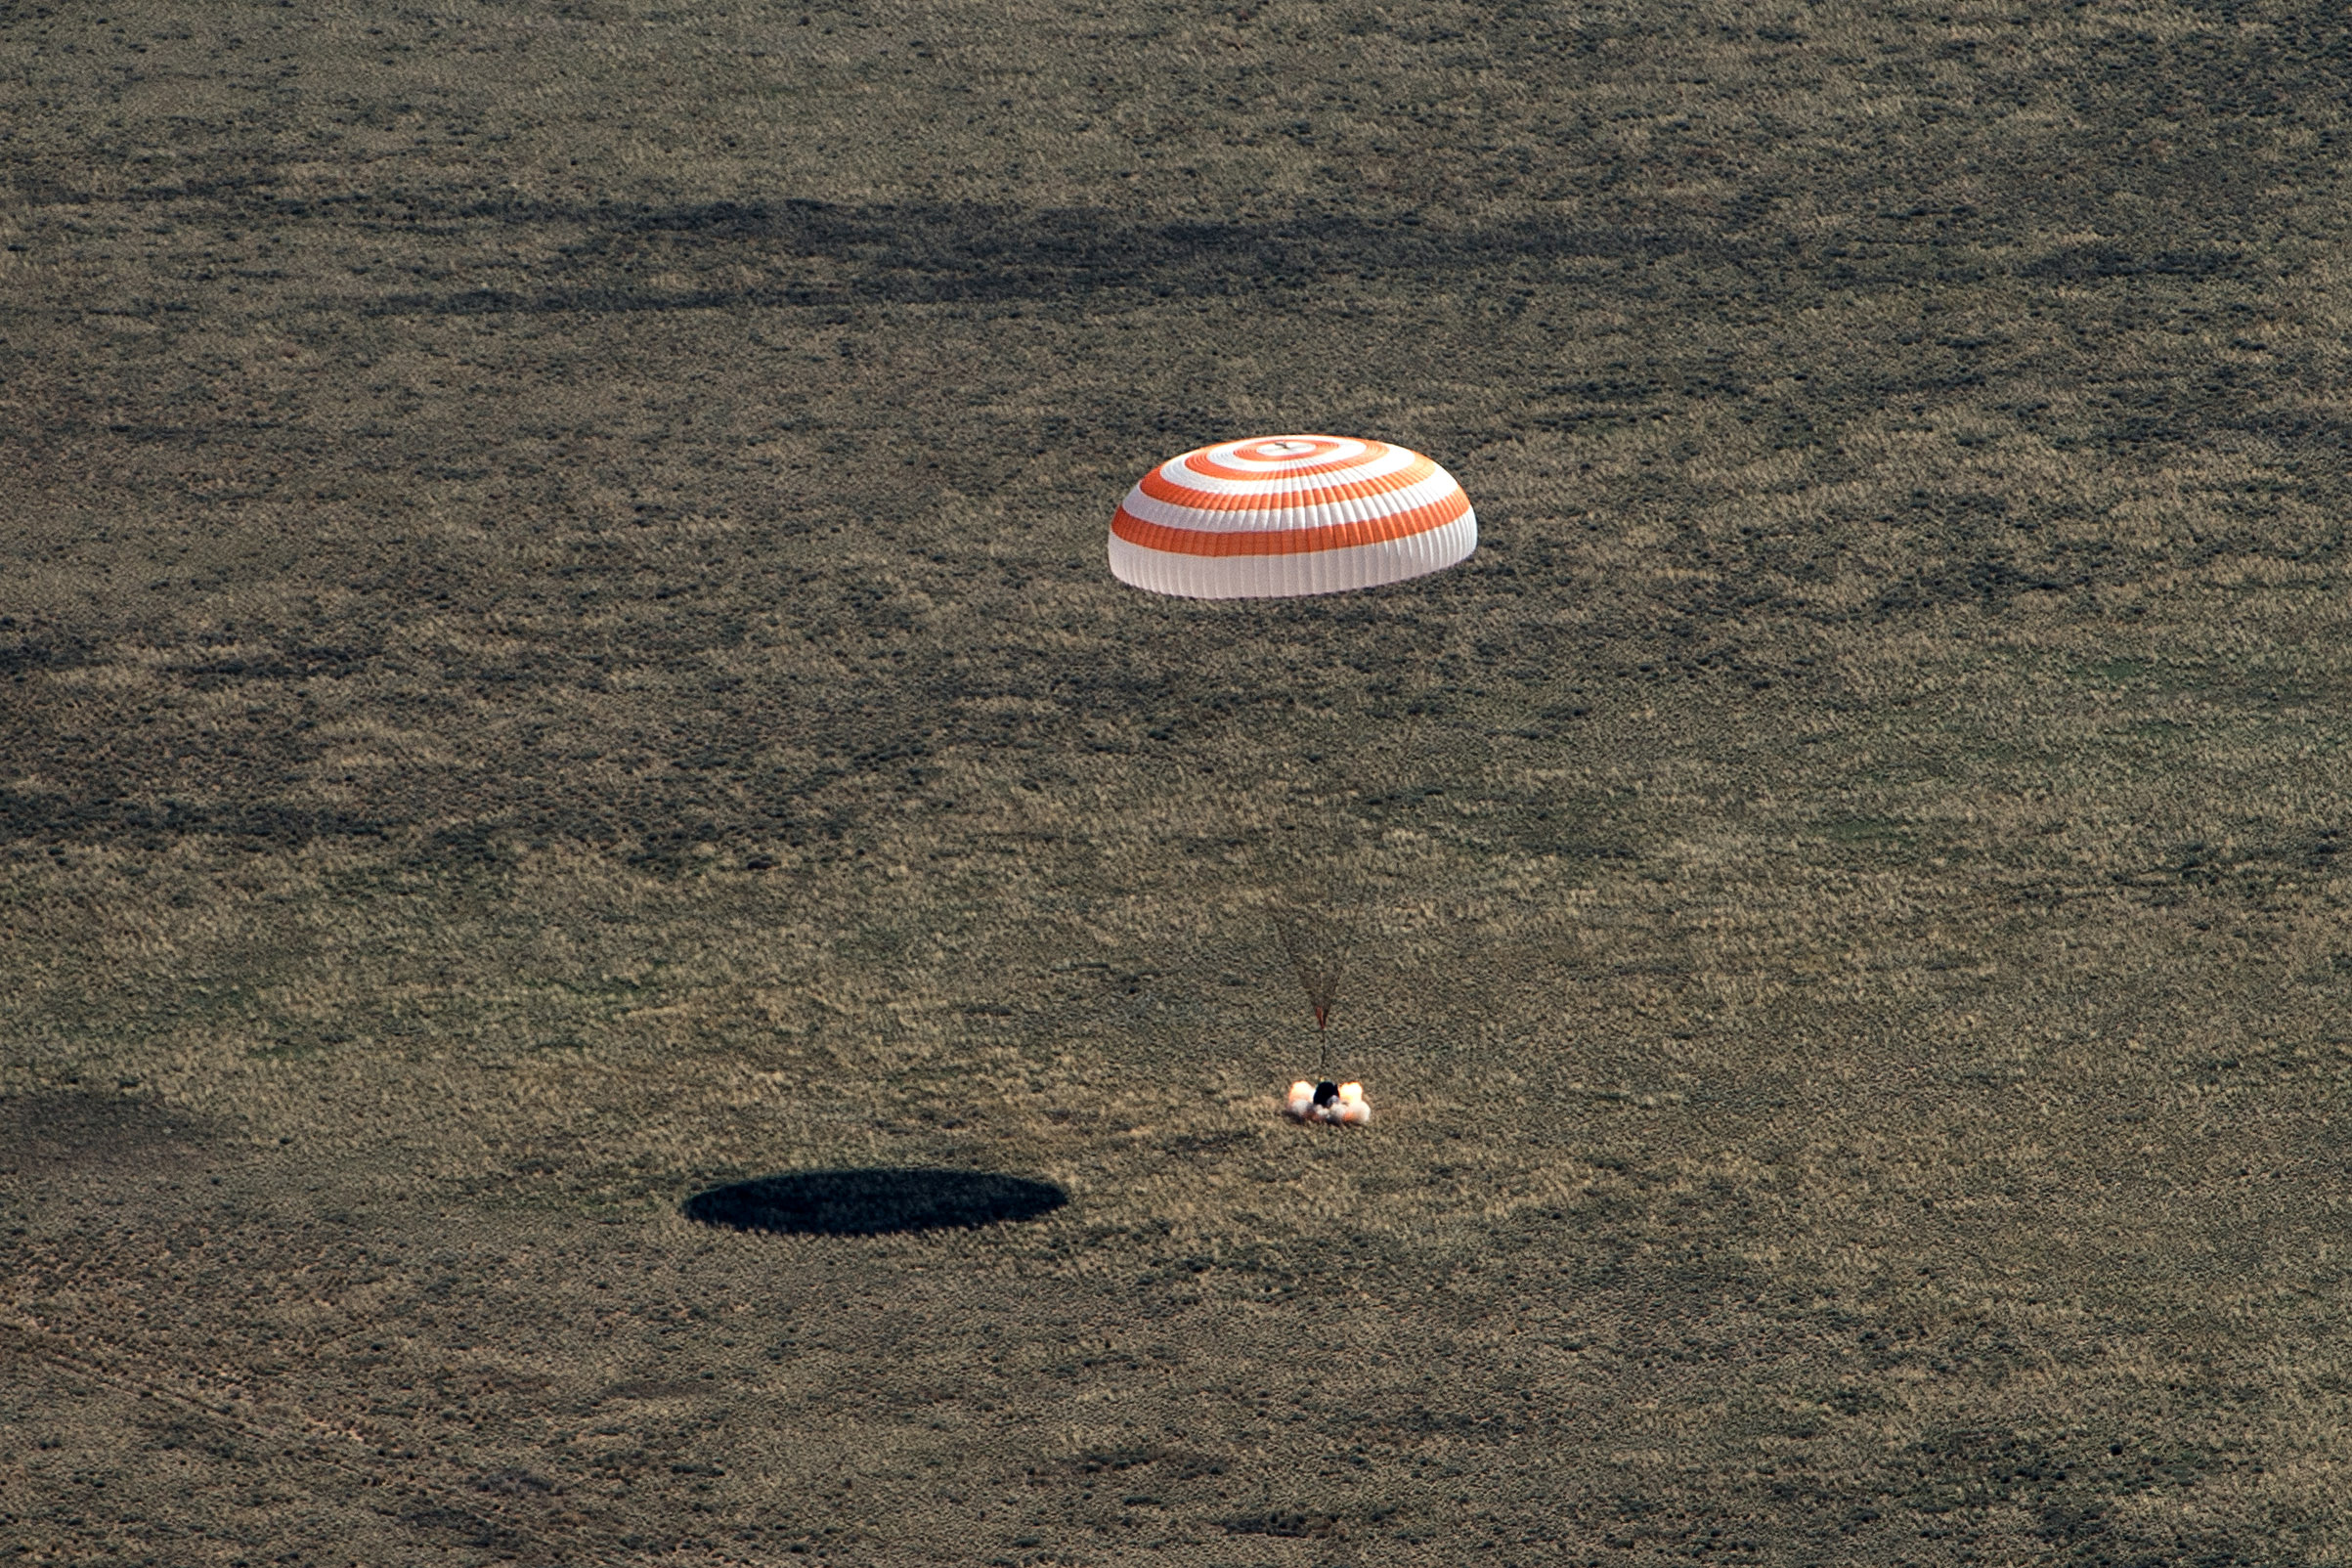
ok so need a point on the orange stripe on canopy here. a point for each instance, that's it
(1288, 540)
(1160, 488)
(1200, 462)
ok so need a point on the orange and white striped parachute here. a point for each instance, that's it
(1275, 516)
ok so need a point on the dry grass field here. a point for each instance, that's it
(555, 656)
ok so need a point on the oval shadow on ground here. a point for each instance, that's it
(875, 1200)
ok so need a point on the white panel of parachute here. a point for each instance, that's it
(1276, 516)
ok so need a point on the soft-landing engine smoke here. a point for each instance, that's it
(1342, 1104)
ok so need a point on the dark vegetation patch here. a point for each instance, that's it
(1287, 1523)
(42, 818)
(2070, 1489)
(88, 1130)
(24, 652)
(2079, 262)
(2257, 871)
(207, 673)
(453, 1526)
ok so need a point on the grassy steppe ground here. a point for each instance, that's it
(554, 653)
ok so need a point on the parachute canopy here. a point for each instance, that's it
(1276, 516)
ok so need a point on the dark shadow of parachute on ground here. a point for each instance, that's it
(875, 1200)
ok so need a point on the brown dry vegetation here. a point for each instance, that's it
(554, 653)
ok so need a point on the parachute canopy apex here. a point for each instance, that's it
(1279, 516)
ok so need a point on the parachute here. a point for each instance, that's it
(1281, 516)
(1278, 517)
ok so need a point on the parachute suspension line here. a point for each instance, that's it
(1316, 947)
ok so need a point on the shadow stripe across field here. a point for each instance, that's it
(934, 255)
